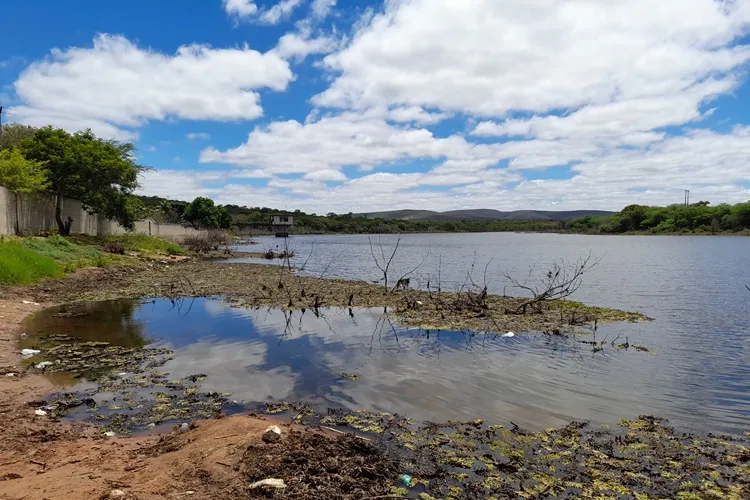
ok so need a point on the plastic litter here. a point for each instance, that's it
(509, 334)
(40, 413)
(43, 365)
(273, 483)
(110, 434)
(184, 427)
(29, 302)
(406, 479)
(10, 374)
(29, 352)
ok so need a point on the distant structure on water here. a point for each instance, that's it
(281, 225)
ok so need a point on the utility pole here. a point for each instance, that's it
(1, 124)
(687, 197)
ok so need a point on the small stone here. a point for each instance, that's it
(40, 413)
(151, 425)
(116, 493)
(272, 483)
(184, 427)
(272, 434)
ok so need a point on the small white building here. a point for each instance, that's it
(281, 225)
(282, 220)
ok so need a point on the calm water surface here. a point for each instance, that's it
(697, 373)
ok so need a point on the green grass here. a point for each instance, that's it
(20, 265)
(140, 243)
(60, 249)
(143, 243)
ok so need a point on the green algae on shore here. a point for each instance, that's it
(642, 458)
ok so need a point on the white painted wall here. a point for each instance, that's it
(36, 214)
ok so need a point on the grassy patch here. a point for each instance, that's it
(131, 242)
(143, 243)
(20, 265)
(60, 249)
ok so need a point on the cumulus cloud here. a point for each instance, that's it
(488, 58)
(280, 11)
(299, 45)
(322, 8)
(333, 142)
(240, 8)
(481, 97)
(115, 86)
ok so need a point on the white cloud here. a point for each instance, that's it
(487, 58)
(617, 119)
(322, 8)
(299, 45)
(333, 142)
(325, 175)
(280, 11)
(416, 114)
(198, 136)
(116, 87)
(240, 8)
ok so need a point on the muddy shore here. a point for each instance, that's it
(219, 458)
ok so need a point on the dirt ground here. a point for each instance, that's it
(41, 459)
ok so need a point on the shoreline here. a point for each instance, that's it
(215, 458)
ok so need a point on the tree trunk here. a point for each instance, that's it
(18, 222)
(63, 228)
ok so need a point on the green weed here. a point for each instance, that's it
(20, 265)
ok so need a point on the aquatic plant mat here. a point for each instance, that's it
(642, 458)
(130, 394)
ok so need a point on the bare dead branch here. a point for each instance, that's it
(560, 281)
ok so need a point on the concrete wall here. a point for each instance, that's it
(36, 214)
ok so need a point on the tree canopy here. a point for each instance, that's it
(21, 176)
(201, 213)
(14, 133)
(101, 174)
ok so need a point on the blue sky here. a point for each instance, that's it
(328, 105)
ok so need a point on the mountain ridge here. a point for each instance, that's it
(482, 214)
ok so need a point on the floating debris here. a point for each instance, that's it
(347, 376)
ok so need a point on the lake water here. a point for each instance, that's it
(697, 372)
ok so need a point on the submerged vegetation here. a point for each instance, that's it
(139, 394)
(642, 458)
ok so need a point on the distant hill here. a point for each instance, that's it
(482, 214)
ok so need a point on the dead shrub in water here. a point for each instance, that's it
(207, 242)
(198, 244)
(560, 281)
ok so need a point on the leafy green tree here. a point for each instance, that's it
(100, 173)
(224, 219)
(14, 133)
(21, 176)
(201, 213)
(172, 211)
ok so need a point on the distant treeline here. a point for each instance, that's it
(695, 218)
(698, 217)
